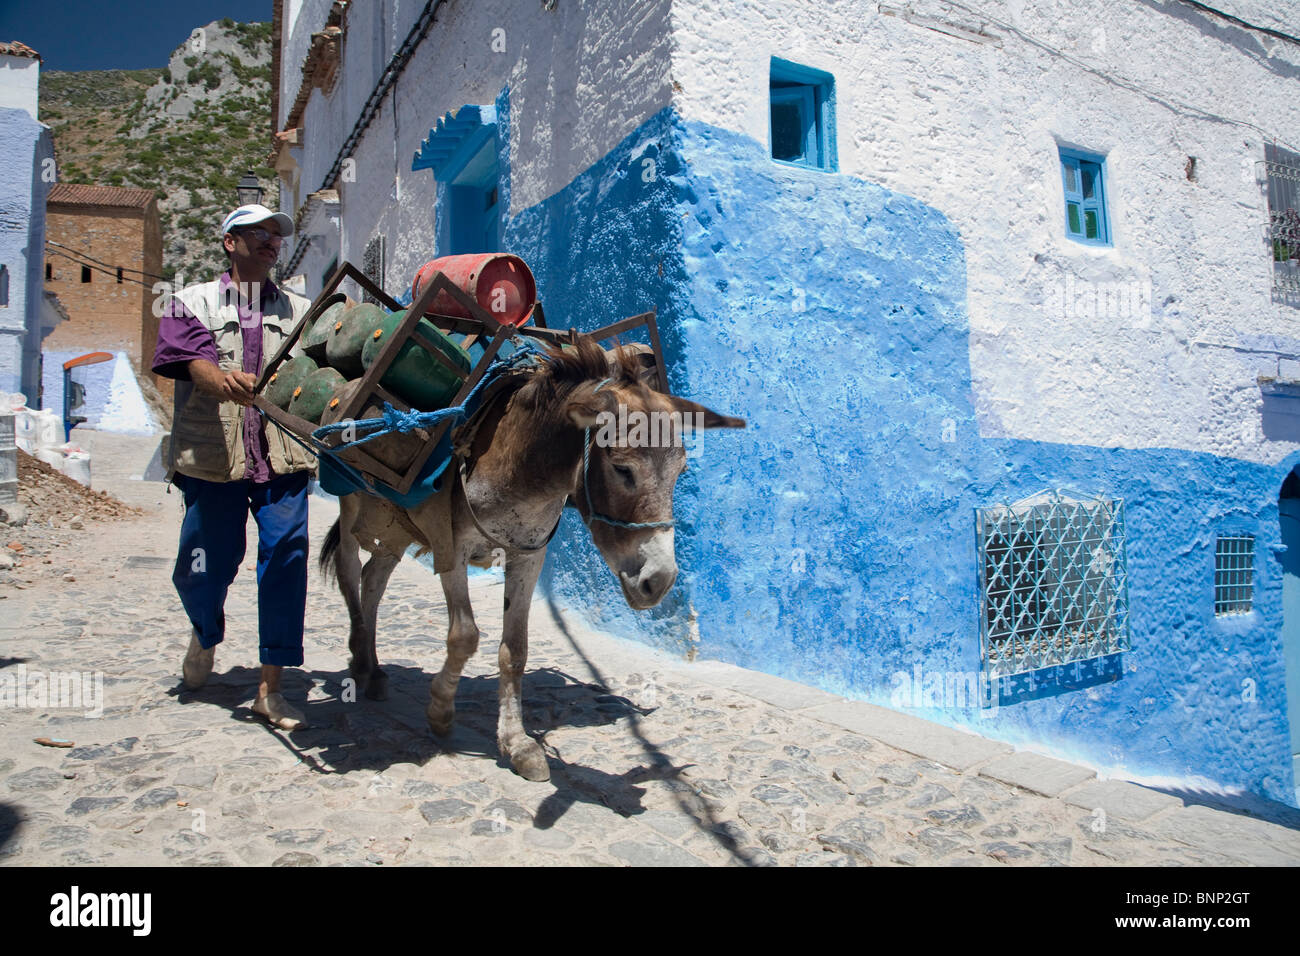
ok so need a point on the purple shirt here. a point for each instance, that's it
(182, 338)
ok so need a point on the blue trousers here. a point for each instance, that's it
(212, 547)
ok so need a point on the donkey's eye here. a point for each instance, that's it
(625, 473)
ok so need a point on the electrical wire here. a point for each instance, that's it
(1131, 85)
(149, 275)
(1237, 21)
(94, 268)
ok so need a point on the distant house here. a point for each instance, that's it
(27, 171)
(104, 255)
(1009, 302)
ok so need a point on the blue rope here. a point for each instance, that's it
(592, 513)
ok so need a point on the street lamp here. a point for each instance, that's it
(249, 189)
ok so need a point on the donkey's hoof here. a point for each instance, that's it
(377, 686)
(529, 761)
(440, 719)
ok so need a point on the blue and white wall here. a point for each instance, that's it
(26, 166)
(898, 336)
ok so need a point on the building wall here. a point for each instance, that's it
(20, 84)
(105, 314)
(973, 131)
(889, 331)
(25, 165)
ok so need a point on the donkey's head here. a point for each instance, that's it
(633, 453)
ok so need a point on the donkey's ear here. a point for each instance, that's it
(586, 404)
(708, 417)
(637, 360)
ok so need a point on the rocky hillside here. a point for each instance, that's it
(188, 131)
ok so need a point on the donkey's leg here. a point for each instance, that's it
(348, 570)
(374, 579)
(526, 755)
(462, 642)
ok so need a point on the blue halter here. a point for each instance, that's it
(592, 514)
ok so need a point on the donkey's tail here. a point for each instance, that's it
(329, 551)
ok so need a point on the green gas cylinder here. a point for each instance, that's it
(314, 338)
(311, 397)
(415, 376)
(290, 374)
(349, 334)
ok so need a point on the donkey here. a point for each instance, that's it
(530, 454)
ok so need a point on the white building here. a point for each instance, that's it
(944, 257)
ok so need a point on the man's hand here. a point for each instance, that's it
(232, 386)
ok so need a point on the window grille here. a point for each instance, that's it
(1283, 172)
(1053, 582)
(1234, 574)
(1085, 198)
(372, 264)
(801, 115)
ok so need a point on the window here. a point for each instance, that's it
(1283, 169)
(85, 273)
(49, 272)
(1234, 573)
(119, 275)
(801, 120)
(1054, 584)
(1085, 198)
(4, 286)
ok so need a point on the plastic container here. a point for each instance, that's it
(51, 455)
(25, 430)
(500, 283)
(49, 429)
(76, 465)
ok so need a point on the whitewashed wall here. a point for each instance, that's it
(581, 78)
(20, 84)
(973, 130)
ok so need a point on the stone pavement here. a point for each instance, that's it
(655, 761)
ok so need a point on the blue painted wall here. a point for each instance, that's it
(833, 541)
(22, 247)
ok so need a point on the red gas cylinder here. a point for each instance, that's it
(502, 284)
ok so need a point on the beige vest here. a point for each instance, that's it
(207, 438)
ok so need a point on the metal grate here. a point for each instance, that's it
(1234, 574)
(1053, 580)
(1282, 168)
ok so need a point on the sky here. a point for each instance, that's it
(117, 35)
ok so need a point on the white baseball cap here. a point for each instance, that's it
(254, 213)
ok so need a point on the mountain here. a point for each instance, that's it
(188, 131)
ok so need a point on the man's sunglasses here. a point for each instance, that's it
(262, 235)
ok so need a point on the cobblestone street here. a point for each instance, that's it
(654, 761)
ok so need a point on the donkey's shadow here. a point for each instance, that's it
(351, 734)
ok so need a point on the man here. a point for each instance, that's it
(214, 339)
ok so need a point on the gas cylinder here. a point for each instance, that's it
(310, 398)
(348, 336)
(279, 387)
(314, 338)
(415, 376)
(502, 284)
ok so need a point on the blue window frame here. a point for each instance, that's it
(1083, 177)
(801, 119)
